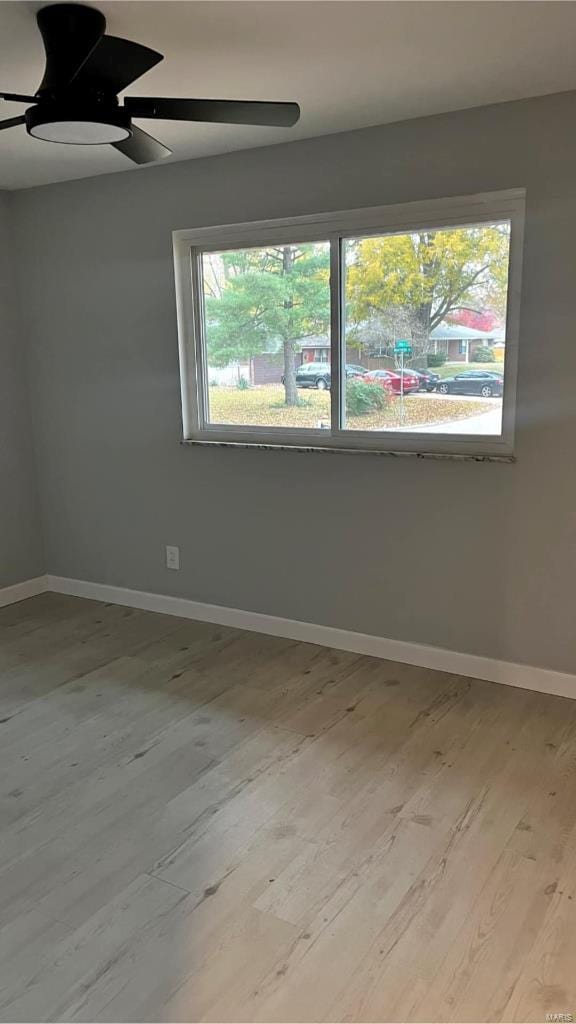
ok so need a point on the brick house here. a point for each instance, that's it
(268, 367)
(458, 343)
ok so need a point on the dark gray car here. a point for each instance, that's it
(472, 382)
(317, 375)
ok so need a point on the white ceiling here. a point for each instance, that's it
(349, 64)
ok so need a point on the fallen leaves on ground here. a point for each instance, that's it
(264, 407)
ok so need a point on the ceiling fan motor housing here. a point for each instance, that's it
(78, 125)
(86, 69)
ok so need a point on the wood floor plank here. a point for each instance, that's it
(76, 963)
(55, 656)
(205, 824)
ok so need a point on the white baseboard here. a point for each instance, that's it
(21, 591)
(529, 677)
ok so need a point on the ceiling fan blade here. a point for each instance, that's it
(69, 32)
(115, 63)
(16, 97)
(224, 111)
(141, 148)
(11, 122)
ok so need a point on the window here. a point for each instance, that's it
(345, 331)
(262, 301)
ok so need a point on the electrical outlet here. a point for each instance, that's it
(172, 557)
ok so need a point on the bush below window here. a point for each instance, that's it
(483, 355)
(436, 358)
(363, 398)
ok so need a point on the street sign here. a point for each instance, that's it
(403, 346)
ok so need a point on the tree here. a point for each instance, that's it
(429, 273)
(260, 298)
(377, 333)
(487, 320)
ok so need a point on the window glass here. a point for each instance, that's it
(427, 300)
(262, 308)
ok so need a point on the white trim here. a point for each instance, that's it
(22, 591)
(528, 677)
(312, 227)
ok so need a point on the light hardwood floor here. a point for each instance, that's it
(201, 824)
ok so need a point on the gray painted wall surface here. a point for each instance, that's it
(474, 557)
(20, 538)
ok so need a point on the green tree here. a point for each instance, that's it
(258, 299)
(429, 274)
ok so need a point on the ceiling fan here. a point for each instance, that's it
(77, 99)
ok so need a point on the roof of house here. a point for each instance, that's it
(314, 341)
(456, 332)
(444, 332)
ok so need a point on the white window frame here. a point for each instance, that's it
(189, 245)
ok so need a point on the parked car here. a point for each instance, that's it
(428, 379)
(317, 375)
(354, 368)
(391, 380)
(472, 382)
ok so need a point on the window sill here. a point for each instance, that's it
(300, 448)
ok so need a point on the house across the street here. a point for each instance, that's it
(457, 342)
(460, 343)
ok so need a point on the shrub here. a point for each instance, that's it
(483, 355)
(363, 398)
(242, 384)
(436, 358)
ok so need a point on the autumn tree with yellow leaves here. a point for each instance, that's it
(417, 279)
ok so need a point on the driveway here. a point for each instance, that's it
(489, 422)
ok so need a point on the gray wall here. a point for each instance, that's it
(20, 537)
(474, 557)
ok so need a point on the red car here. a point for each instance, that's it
(392, 381)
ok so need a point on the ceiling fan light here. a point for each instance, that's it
(79, 133)
(90, 128)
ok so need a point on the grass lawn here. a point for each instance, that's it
(264, 406)
(449, 369)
